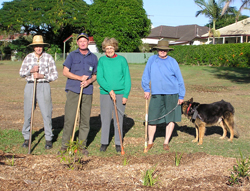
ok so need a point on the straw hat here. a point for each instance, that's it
(38, 40)
(163, 45)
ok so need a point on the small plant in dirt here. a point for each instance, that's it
(125, 161)
(149, 177)
(178, 159)
(72, 155)
(10, 162)
(240, 171)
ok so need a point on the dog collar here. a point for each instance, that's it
(188, 108)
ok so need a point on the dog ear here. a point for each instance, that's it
(191, 100)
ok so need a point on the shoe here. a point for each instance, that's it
(166, 147)
(62, 151)
(118, 148)
(103, 148)
(150, 146)
(84, 151)
(25, 144)
(48, 145)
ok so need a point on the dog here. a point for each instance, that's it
(203, 115)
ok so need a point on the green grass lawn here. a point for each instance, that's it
(205, 84)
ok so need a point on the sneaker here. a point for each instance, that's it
(25, 144)
(118, 148)
(48, 145)
(103, 148)
(84, 151)
(62, 151)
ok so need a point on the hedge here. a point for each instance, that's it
(233, 55)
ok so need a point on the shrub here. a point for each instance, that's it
(233, 55)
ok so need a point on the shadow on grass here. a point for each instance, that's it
(236, 75)
(95, 127)
(160, 131)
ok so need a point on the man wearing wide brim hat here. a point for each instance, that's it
(38, 40)
(167, 89)
(40, 66)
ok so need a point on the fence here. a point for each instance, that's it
(132, 57)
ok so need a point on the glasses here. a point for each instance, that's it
(109, 48)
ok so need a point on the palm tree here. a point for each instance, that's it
(245, 3)
(212, 10)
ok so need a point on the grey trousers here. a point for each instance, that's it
(70, 114)
(107, 108)
(43, 97)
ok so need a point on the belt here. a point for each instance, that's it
(31, 82)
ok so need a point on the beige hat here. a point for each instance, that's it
(163, 45)
(38, 40)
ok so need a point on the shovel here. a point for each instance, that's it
(146, 128)
(119, 130)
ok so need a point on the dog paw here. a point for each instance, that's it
(199, 144)
(230, 140)
(222, 137)
(194, 141)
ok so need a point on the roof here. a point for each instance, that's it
(240, 28)
(180, 33)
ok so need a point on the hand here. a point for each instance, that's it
(146, 95)
(37, 75)
(124, 100)
(34, 69)
(85, 83)
(112, 94)
(83, 78)
(180, 101)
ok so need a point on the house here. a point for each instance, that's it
(179, 35)
(235, 33)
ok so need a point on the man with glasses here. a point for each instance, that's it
(80, 69)
(162, 72)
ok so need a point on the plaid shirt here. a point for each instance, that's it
(46, 64)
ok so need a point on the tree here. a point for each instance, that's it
(212, 10)
(124, 20)
(245, 3)
(54, 19)
(227, 20)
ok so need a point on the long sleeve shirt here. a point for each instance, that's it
(164, 75)
(113, 74)
(46, 64)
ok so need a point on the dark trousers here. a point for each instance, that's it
(69, 118)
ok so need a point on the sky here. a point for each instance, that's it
(173, 12)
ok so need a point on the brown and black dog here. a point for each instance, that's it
(203, 115)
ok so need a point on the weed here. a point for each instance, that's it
(241, 170)
(233, 179)
(72, 159)
(148, 178)
(177, 159)
(125, 161)
(10, 162)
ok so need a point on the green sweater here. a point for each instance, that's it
(113, 74)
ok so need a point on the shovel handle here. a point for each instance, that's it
(32, 114)
(119, 130)
(77, 112)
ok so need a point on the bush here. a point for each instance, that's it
(234, 55)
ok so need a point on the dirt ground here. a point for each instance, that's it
(197, 171)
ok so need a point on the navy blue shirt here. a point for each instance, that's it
(79, 64)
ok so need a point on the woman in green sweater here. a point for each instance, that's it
(114, 79)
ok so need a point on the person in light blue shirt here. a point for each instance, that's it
(162, 76)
